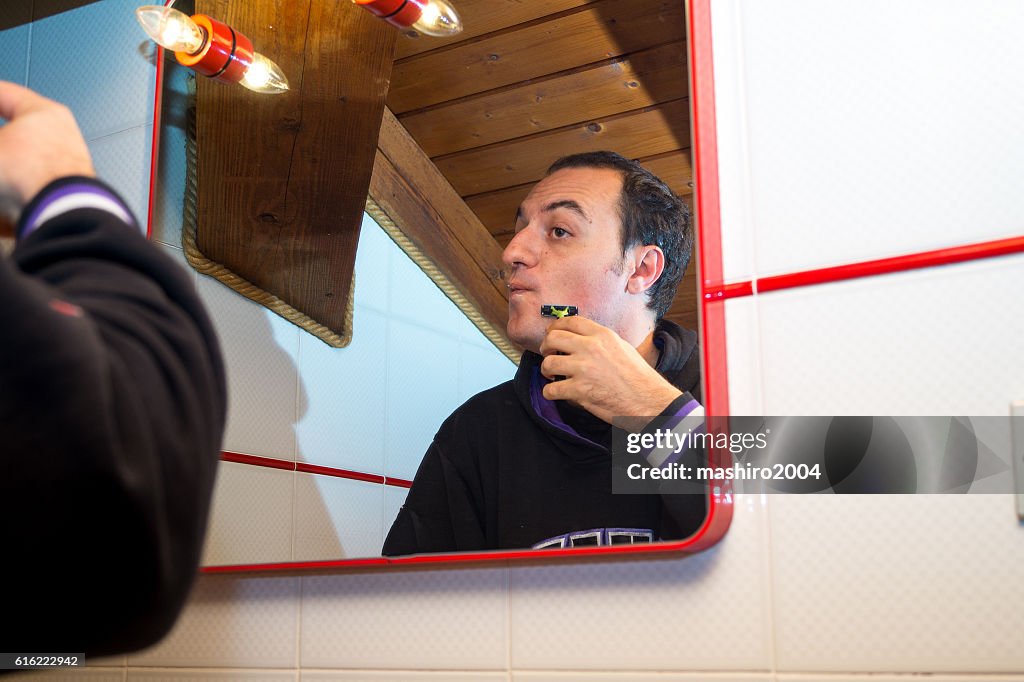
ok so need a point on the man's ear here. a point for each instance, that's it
(649, 263)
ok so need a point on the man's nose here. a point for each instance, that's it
(521, 250)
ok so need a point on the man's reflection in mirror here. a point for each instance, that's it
(527, 463)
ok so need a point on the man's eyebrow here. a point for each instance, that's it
(569, 204)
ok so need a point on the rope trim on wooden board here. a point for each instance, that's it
(205, 266)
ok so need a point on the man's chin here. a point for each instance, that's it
(528, 339)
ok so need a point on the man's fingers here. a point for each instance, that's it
(559, 341)
(555, 366)
(16, 100)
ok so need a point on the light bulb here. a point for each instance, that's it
(438, 19)
(212, 48)
(264, 76)
(171, 29)
(430, 17)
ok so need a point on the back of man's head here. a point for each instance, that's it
(651, 214)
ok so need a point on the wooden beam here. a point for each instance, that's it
(597, 32)
(417, 198)
(283, 179)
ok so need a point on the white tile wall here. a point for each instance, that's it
(637, 677)
(925, 583)
(252, 517)
(232, 622)
(878, 128)
(406, 620)
(402, 676)
(97, 60)
(733, 146)
(14, 44)
(938, 341)
(260, 351)
(343, 419)
(422, 390)
(122, 159)
(744, 358)
(337, 518)
(703, 612)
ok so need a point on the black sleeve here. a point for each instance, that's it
(439, 514)
(682, 514)
(112, 409)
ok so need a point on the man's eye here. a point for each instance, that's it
(559, 232)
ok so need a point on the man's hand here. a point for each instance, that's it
(603, 373)
(39, 144)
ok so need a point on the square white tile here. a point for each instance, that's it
(251, 519)
(899, 583)
(742, 356)
(416, 620)
(337, 518)
(108, 77)
(853, 152)
(260, 351)
(890, 344)
(342, 420)
(231, 622)
(707, 611)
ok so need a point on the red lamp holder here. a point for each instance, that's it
(224, 56)
(400, 13)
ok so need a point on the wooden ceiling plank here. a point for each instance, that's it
(428, 210)
(606, 29)
(636, 134)
(640, 80)
(283, 179)
(480, 17)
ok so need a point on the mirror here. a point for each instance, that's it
(322, 443)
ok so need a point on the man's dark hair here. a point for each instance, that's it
(651, 214)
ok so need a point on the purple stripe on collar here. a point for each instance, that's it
(29, 223)
(547, 409)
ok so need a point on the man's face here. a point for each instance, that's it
(567, 251)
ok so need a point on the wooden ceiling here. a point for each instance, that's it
(529, 81)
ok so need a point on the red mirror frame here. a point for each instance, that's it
(712, 330)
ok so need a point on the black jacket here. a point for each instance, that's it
(112, 408)
(502, 473)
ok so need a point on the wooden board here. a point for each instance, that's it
(609, 87)
(430, 213)
(594, 33)
(283, 178)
